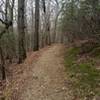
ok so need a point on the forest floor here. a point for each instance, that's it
(41, 77)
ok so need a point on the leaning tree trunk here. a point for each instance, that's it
(36, 33)
(21, 30)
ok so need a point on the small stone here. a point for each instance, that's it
(63, 88)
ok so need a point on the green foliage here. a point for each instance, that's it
(85, 77)
(95, 52)
(69, 17)
(8, 42)
(80, 18)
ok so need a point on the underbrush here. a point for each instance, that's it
(82, 72)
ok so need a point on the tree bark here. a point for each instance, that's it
(2, 64)
(12, 14)
(21, 30)
(47, 21)
(36, 33)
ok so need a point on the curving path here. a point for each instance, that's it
(48, 79)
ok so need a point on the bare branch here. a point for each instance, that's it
(44, 7)
(3, 22)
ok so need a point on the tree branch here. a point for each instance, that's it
(3, 22)
(44, 6)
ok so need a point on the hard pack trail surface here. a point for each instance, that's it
(48, 79)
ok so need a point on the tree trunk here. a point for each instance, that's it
(55, 29)
(32, 26)
(2, 64)
(21, 30)
(36, 33)
(47, 21)
(12, 14)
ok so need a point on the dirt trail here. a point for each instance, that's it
(48, 77)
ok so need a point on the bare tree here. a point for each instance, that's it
(2, 64)
(12, 13)
(36, 34)
(48, 37)
(21, 30)
(44, 6)
(6, 24)
(58, 11)
(32, 25)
